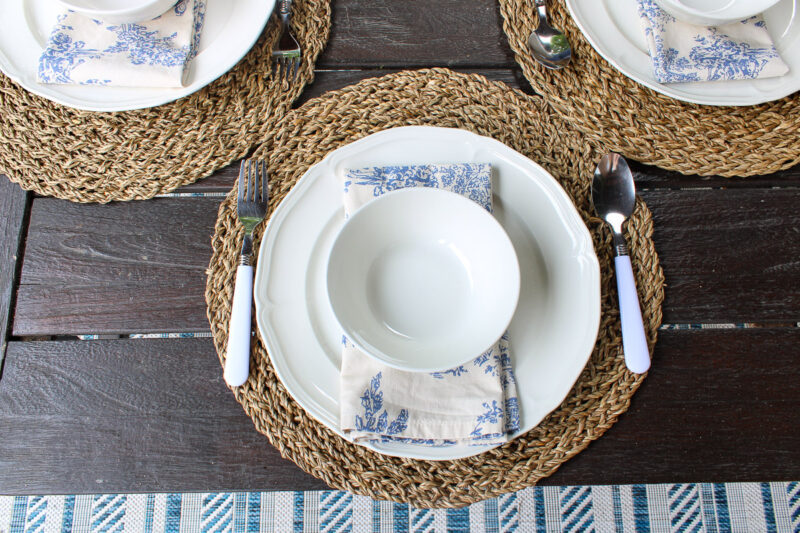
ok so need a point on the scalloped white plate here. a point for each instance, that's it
(230, 30)
(613, 29)
(553, 331)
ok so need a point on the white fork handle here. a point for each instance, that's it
(634, 342)
(237, 359)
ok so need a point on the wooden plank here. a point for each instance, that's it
(116, 268)
(728, 256)
(13, 206)
(650, 177)
(154, 415)
(391, 34)
(718, 405)
(129, 416)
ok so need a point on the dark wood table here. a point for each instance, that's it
(124, 414)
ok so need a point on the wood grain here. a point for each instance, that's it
(129, 416)
(391, 34)
(728, 256)
(13, 206)
(154, 415)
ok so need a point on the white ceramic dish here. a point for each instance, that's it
(551, 335)
(119, 11)
(614, 30)
(423, 279)
(715, 12)
(230, 31)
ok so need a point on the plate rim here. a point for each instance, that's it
(583, 250)
(163, 96)
(607, 53)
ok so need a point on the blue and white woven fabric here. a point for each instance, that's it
(153, 53)
(684, 52)
(711, 507)
(475, 403)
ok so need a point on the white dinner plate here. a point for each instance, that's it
(553, 331)
(230, 30)
(613, 28)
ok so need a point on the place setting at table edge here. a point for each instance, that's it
(425, 292)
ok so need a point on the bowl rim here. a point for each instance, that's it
(481, 213)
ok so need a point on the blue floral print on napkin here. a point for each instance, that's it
(375, 404)
(85, 51)
(683, 52)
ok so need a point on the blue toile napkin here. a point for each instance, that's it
(153, 53)
(474, 404)
(684, 52)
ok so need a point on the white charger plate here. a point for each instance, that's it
(553, 331)
(613, 29)
(230, 30)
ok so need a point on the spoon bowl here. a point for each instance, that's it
(548, 45)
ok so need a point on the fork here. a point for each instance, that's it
(251, 207)
(286, 55)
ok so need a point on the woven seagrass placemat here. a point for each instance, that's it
(602, 103)
(439, 97)
(87, 156)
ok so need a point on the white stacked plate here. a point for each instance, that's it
(230, 30)
(555, 326)
(613, 29)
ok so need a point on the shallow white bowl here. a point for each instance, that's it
(119, 11)
(423, 279)
(715, 12)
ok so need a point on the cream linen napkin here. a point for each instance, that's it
(684, 52)
(474, 404)
(152, 53)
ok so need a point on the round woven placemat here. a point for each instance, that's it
(438, 97)
(86, 156)
(602, 103)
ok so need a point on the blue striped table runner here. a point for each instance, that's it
(711, 507)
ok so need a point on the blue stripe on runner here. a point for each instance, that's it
(172, 522)
(253, 512)
(376, 517)
(640, 513)
(721, 500)
(400, 517)
(617, 504)
(18, 514)
(491, 518)
(458, 520)
(149, 511)
(299, 500)
(793, 497)
(66, 519)
(709, 515)
(538, 501)
(239, 511)
(769, 511)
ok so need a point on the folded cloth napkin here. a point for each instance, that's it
(475, 403)
(684, 52)
(153, 53)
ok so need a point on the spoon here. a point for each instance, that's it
(548, 46)
(614, 197)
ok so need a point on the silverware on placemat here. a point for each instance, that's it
(251, 207)
(548, 45)
(286, 55)
(614, 198)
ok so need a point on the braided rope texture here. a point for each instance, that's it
(604, 104)
(439, 97)
(86, 156)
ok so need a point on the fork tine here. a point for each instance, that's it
(296, 67)
(264, 182)
(251, 170)
(242, 173)
(284, 69)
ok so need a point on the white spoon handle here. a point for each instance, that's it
(634, 342)
(237, 358)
